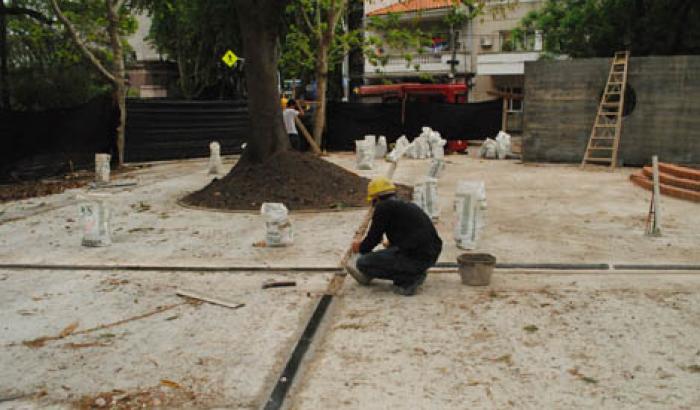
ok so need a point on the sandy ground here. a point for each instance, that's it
(527, 342)
(558, 213)
(536, 214)
(220, 357)
(530, 341)
(150, 228)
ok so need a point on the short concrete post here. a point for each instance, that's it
(102, 168)
(215, 165)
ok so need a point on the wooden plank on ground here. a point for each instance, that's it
(215, 301)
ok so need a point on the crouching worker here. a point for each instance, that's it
(413, 245)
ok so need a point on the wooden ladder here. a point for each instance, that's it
(605, 135)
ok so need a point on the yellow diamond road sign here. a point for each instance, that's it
(230, 58)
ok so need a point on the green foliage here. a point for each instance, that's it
(306, 21)
(402, 38)
(588, 28)
(196, 34)
(46, 70)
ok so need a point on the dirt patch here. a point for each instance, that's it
(24, 190)
(32, 189)
(169, 394)
(300, 181)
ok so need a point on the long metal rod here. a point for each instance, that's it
(162, 268)
(545, 266)
(284, 382)
(439, 267)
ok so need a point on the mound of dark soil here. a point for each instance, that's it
(299, 181)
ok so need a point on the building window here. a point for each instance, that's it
(511, 42)
(512, 104)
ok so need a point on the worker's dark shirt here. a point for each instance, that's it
(407, 227)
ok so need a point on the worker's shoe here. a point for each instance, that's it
(411, 288)
(351, 268)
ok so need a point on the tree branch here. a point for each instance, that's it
(18, 11)
(306, 20)
(340, 8)
(81, 45)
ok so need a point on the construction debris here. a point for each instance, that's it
(214, 301)
(282, 284)
(71, 329)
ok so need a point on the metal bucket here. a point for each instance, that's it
(476, 268)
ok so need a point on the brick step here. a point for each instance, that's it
(679, 171)
(668, 179)
(681, 193)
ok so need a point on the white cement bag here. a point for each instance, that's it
(411, 151)
(426, 132)
(437, 145)
(432, 203)
(467, 210)
(419, 195)
(489, 149)
(504, 146)
(364, 154)
(95, 217)
(422, 147)
(436, 167)
(278, 228)
(102, 168)
(216, 167)
(425, 195)
(381, 148)
(399, 149)
(478, 186)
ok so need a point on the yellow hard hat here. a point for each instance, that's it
(379, 186)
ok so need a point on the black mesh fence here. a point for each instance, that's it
(38, 144)
(170, 129)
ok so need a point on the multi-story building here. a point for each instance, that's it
(435, 61)
(487, 54)
(149, 72)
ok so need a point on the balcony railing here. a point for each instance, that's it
(432, 63)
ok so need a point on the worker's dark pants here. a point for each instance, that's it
(392, 265)
(295, 141)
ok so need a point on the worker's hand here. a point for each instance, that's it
(386, 243)
(356, 246)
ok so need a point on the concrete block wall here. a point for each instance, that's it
(562, 97)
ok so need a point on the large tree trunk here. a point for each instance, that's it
(4, 83)
(321, 91)
(260, 24)
(119, 74)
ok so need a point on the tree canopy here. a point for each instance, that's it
(589, 28)
(45, 69)
(195, 34)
